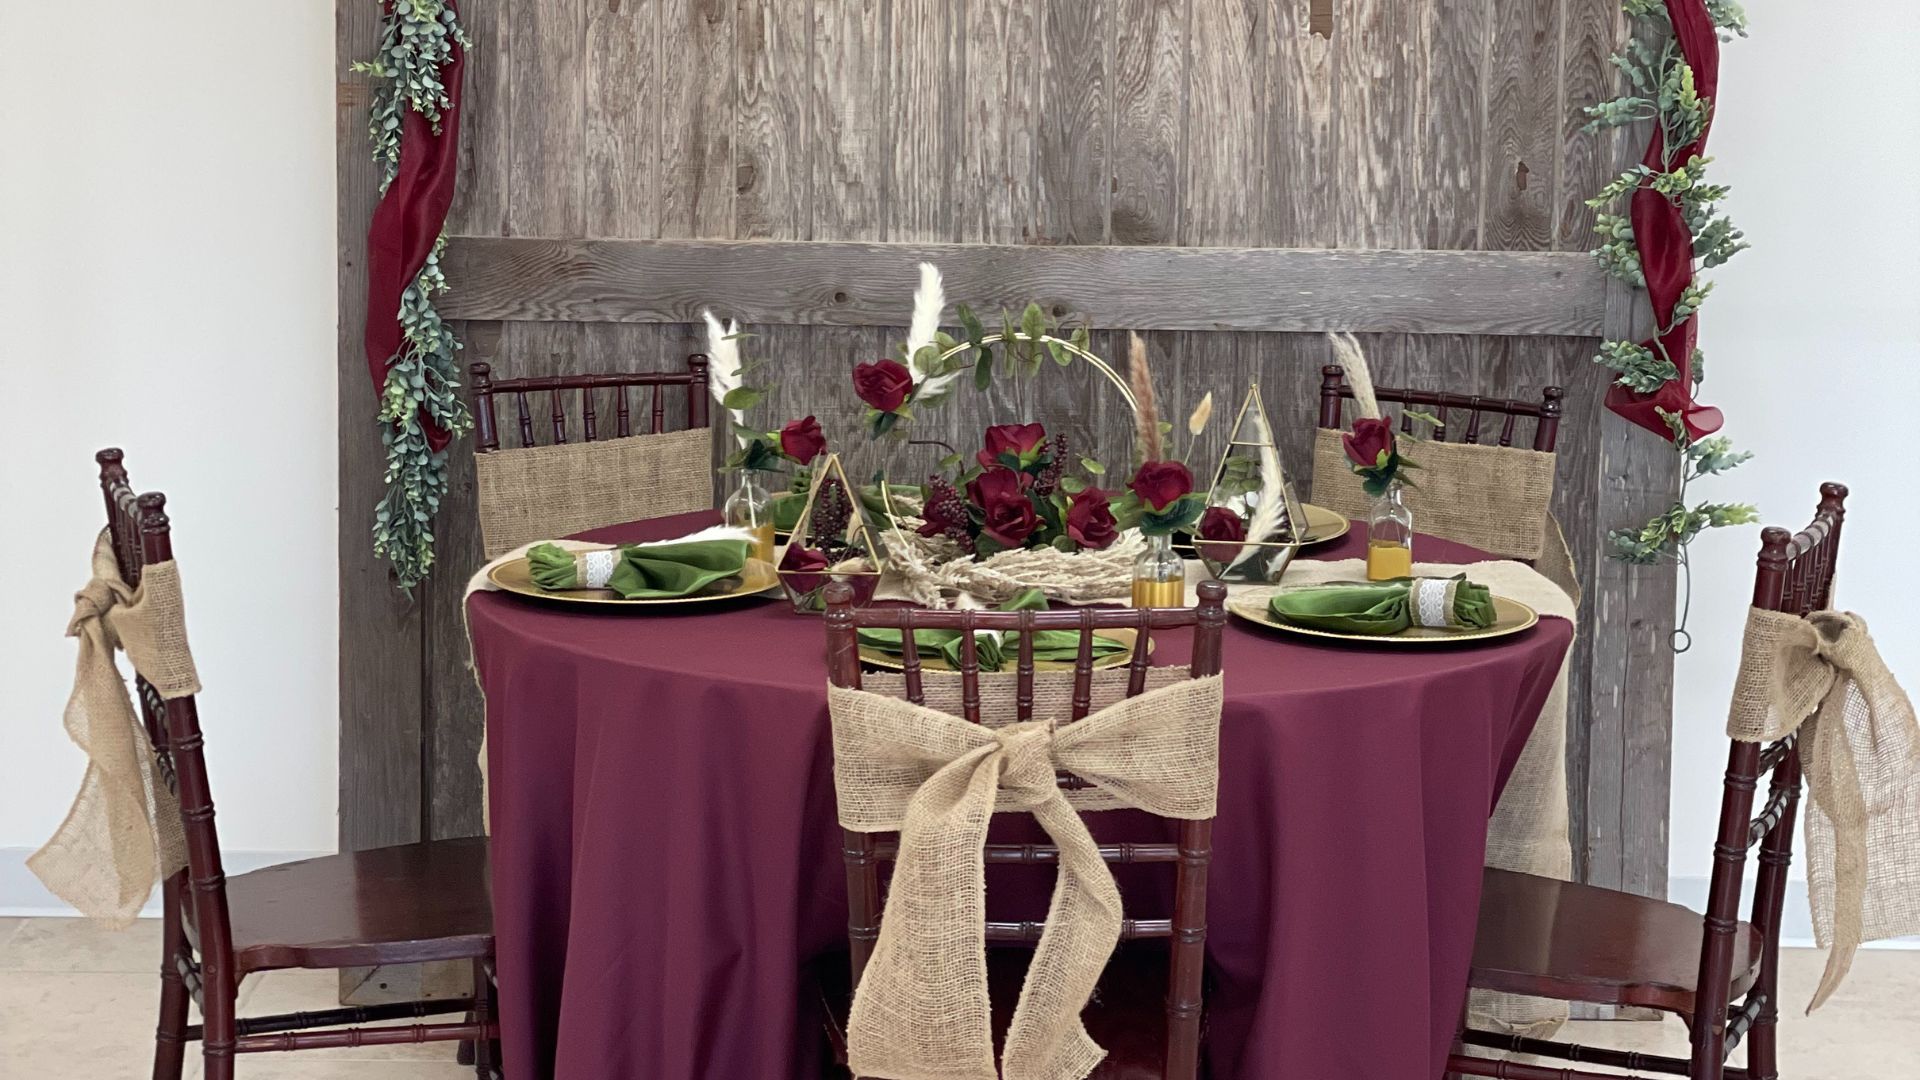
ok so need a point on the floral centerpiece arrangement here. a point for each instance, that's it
(1026, 510)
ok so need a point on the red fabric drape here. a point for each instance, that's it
(1666, 245)
(408, 221)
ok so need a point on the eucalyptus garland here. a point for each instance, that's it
(417, 41)
(1661, 89)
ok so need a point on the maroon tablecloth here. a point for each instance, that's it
(666, 859)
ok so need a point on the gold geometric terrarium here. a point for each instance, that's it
(1254, 522)
(831, 542)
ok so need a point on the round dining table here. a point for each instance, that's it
(667, 863)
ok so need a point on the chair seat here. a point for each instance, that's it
(1127, 1015)
(392, 905)
(1577, 942)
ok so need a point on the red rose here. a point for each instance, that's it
(802, 441)
(1220, 523)
(1090, 520)
(1010, 517)
(883, 385)
(802, 565)
(1160, 483)
(1020, 440)
(1369, 444)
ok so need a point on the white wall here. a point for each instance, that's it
(167, 286)
(1813, 346)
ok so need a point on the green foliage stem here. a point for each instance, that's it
(422, 379)
(1660, 88)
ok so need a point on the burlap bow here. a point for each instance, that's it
(921, 1010)
(122, 833)
(1860, 749)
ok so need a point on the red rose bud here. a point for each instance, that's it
(1090, 520)
(883, 385)
(1021, 440)
(1001, 494)
(1220, 523)
(1370, 444)
(1160, 483)
(802, 440)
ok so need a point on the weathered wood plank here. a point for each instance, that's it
(1591, 30)
(546, 193)
(1073, 185)
(480, 191)
(1222, 189)
(773, 148)
(1523, 126)
(856, 284)
(1378, 164)
(695, 68)
(774, 139)
(848, 120)
(380, 637)
(995, 57)
(923, 113)
(1149, 80)
(1454, 67)
(1299, 135)
(621, 118)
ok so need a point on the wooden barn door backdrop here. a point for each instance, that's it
(1232, 176)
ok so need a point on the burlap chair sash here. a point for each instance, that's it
(1495, 498)
(1860, 749)
(538, 492)
(921, 1009)
(122, 833)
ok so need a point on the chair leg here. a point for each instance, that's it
(485, 1051)
(169, 1038)
(1762, 1062)
(217, 1031)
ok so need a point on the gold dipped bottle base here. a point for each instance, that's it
(1156, 594)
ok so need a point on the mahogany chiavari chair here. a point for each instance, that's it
(536, 491)
(1461, 473)
(396, 905)
(1720, 974)
(1334, 393)
(557, 387)
(1126, 1017)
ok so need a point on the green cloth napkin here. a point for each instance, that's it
(994, 648)
(1380, 607)
(646, 571)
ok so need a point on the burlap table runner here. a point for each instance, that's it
(123, 832)
(1495, 498)
(1528, 830)
(921, 1010)
(532, 493)
(482, 582)
(1860, 748)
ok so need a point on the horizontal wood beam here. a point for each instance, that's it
(1146, 288)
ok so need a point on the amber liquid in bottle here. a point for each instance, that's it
(762, 542)
(1388, 559)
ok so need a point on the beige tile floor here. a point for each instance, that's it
(78, 1003)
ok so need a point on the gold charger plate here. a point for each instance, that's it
(516, 577)
(1509, 617)
(931, 660)
(1322, 525)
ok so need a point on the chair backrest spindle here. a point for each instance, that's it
(692, 381)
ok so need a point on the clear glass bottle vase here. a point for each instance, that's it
(1389, 536)
(749, 507)
(1159, 575)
